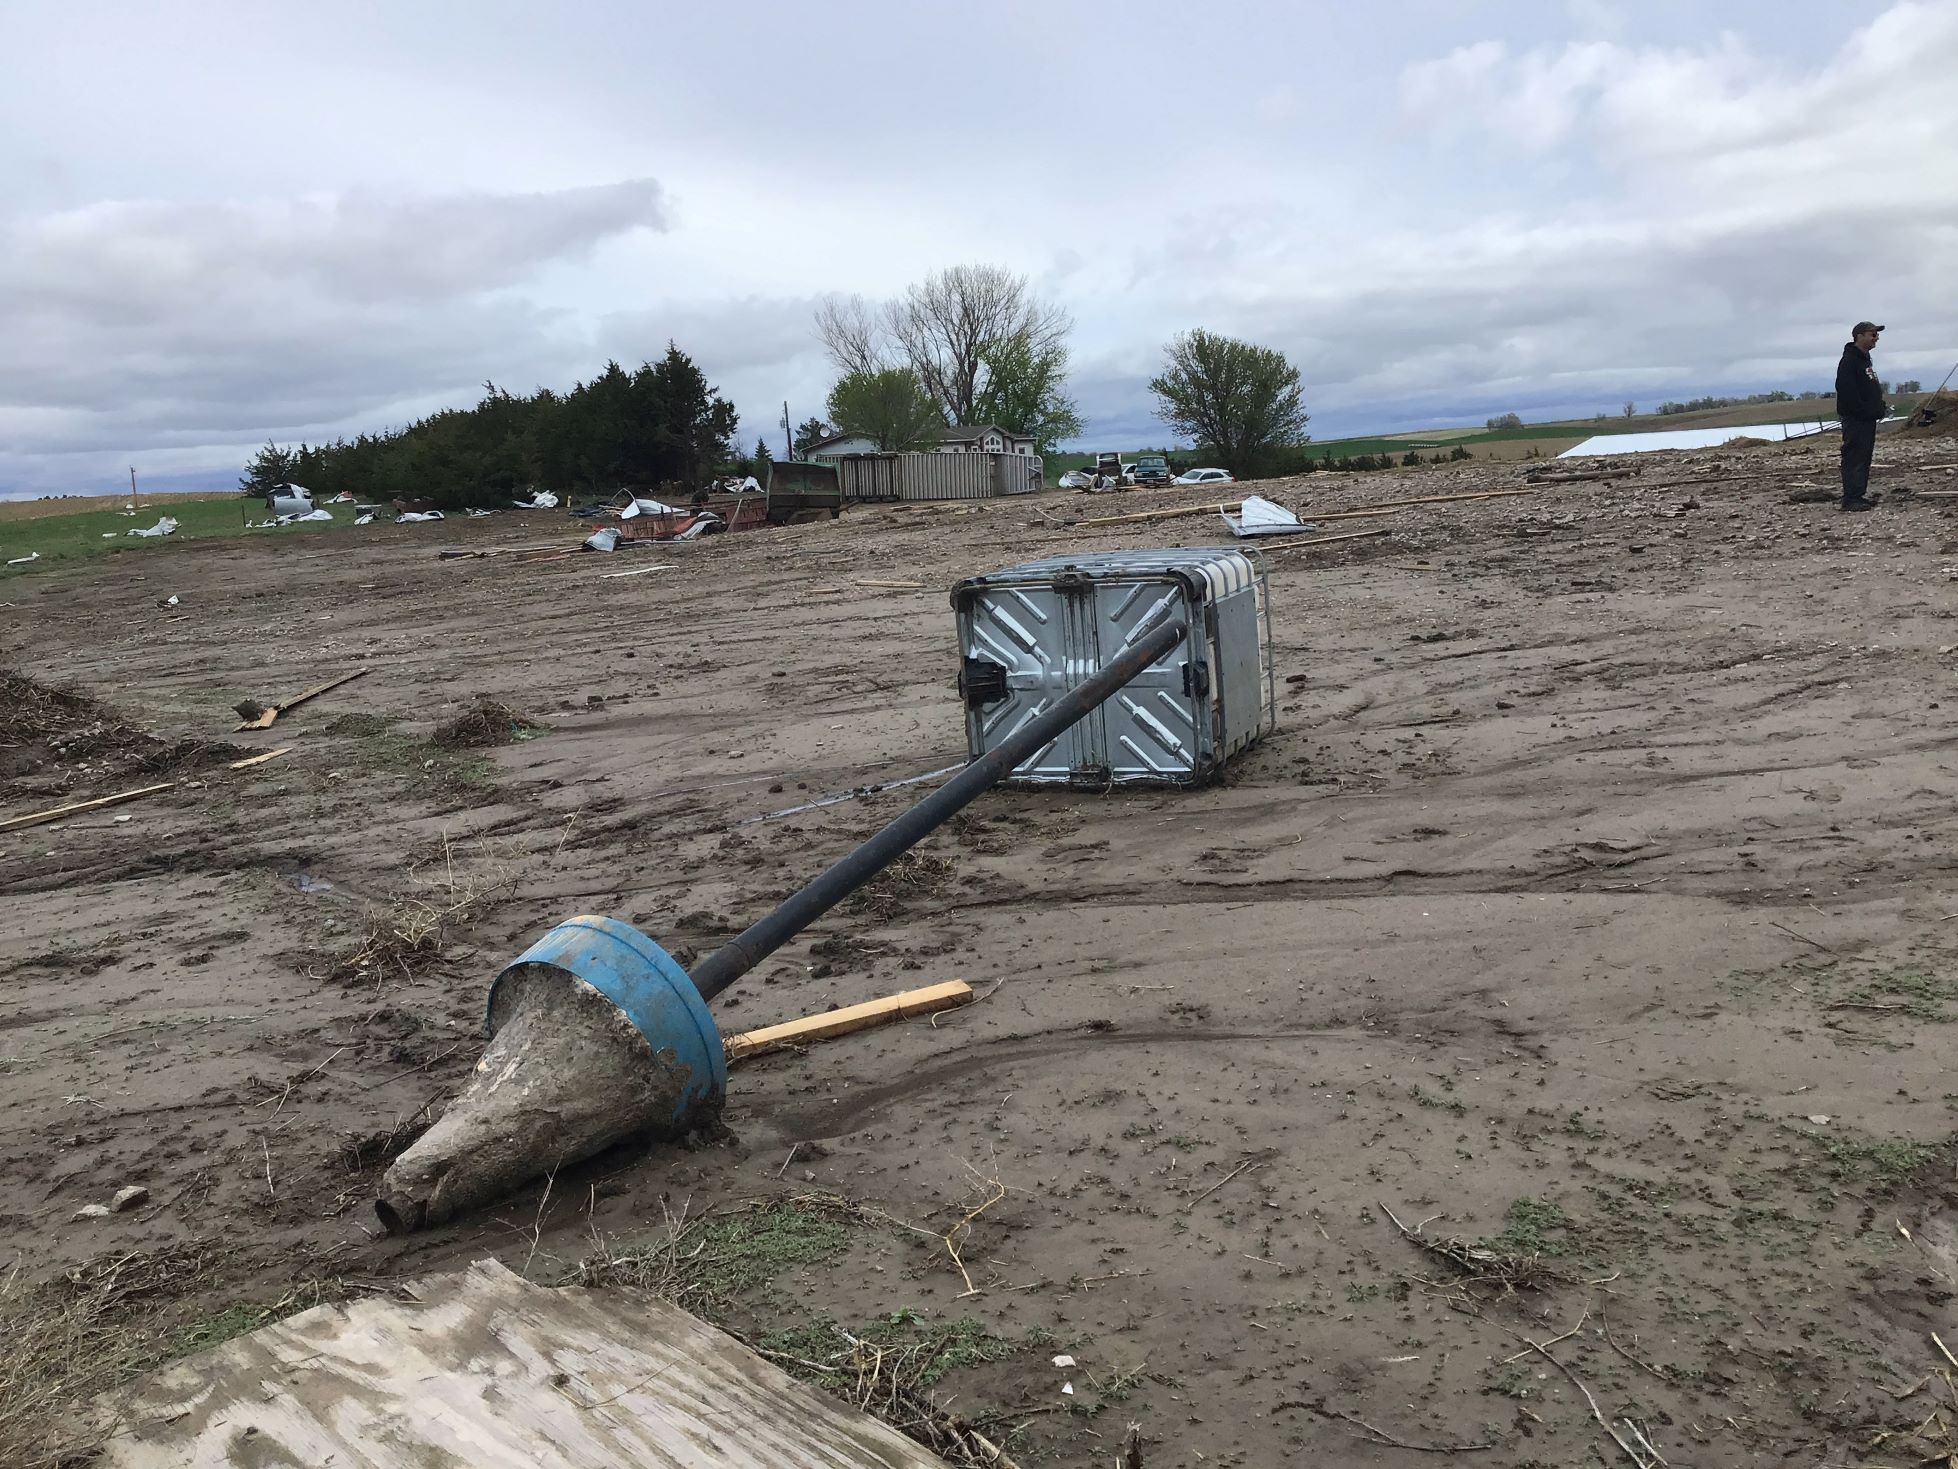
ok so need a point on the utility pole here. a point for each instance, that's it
(788, 433)
(134, 503)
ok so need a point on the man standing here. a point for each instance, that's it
(1859, 404)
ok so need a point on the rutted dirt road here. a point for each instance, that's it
(1592, 904)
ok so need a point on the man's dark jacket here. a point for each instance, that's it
(1858, 393)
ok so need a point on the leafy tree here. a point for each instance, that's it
(657, 424)
(888, 406)
(812, 432)
(1241, 399)
(944, 328)
(1026, 392)
(1910, 385)
(1506, 420)
(271, 467)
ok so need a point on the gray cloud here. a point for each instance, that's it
(156, 325)
(1473, 211)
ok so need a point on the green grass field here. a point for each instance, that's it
(86, 533)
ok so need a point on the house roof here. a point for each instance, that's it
(966, 432)
(824, 443)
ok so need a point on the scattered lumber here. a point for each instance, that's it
(893, 586)
(41, 818)
(1379, 506)
(251, 760)
(851, 1018)
(486, 1369)
(265, 718)
(1356, 535)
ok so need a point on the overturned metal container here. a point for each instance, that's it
(1030, 633)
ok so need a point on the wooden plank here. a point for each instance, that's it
(487, 1370)
(926, 1001)
(1431, 500)
(1354, 535)
(250, 760)
(39, 818)
(265, 720)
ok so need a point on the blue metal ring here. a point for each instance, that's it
(650, 989)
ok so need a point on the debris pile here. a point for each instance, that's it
(486, 722)
(42, 727)
(1934, 418)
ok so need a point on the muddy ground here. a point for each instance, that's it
(1593, 907)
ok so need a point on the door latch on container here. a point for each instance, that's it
(982, 681)
(1196, 678)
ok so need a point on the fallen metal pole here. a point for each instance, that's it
(735, 958)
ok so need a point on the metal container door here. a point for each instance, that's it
(1020, 644)
(1158, 728)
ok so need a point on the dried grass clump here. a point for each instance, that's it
(486, 722)
(42, 725)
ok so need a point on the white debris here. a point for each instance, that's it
(129, 1198)
(478, 514)
(165, 526)
(604, 539)
(1820, 1119)
(367, 519)
(1068, 1388)
(542, 500)
(31, 556)
(409, 517)
(1063, 1361)
(1258, 516)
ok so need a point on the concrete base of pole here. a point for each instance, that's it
(566, 1075)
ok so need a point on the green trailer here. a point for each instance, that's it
(798, 489)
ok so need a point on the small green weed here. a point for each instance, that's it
(1919, 996)
(1875, 1163)
(1531, 1227)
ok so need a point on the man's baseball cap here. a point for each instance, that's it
(1864, 326)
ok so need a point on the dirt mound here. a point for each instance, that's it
(487, 722)
(1743, 441)
(43, 726)
(1935, 418)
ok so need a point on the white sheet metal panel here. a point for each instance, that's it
(1696, 438)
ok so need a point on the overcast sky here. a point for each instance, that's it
(225, 223)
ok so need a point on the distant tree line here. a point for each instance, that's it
(660, 424)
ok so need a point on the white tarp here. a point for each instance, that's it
(1696, 438)
(605, 538)
(163, 527)
(1258, 516)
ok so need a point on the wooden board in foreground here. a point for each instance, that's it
(56, 813)
(486, 1370)
(926, 1001)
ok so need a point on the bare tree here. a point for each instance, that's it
(948, 329)
(852, 332)
(946, 324)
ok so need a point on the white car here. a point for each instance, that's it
(1205, 477)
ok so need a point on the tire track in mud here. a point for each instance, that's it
(802, 1123)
